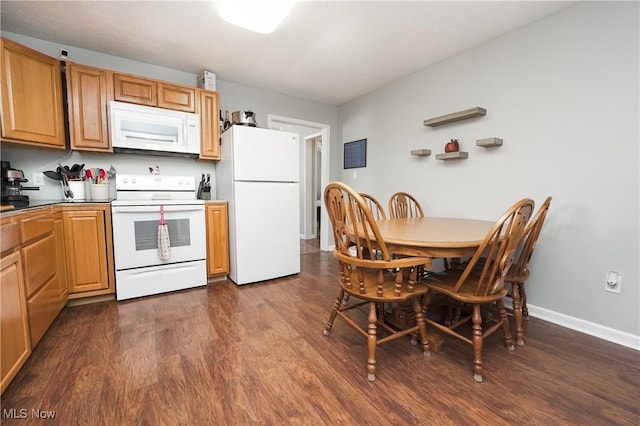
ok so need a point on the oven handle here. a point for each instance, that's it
(155, 209)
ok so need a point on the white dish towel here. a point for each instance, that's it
(164, 244)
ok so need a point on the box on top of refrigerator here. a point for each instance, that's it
(207, 80)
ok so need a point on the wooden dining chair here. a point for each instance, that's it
(518, 273)
(365, 278)
(402, 204)
(482, 286)
(375, 206)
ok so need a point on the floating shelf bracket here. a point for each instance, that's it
(455, 116)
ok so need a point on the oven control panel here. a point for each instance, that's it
(155, 183)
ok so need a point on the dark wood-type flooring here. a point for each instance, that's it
(255, 354)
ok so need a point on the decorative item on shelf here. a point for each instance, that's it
(154, 170)
(421, 152)
(452, 146)
(487, 142)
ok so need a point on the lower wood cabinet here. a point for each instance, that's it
(217, 238)
(88, 246)
(14, 338)
(44, 269)
(48, 257)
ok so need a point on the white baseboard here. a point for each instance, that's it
(612, 335)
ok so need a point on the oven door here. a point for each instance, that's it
(135, 234)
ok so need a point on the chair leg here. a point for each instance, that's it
(453, 312)
(422, 328)
(334, 312)
(508, 340)
(372, 331)
(517, 313)
(523, 302)
(476, 339)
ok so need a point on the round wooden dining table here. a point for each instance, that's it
(431, 237)
(434, 237)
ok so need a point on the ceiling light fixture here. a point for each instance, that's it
(261, 16)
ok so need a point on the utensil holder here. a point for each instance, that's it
(77, 187)
(99, 192)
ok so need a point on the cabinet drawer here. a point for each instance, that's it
(9, 236)
(43, 308)
(35, 227)
(39, 261)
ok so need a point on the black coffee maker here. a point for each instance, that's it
(12, 188)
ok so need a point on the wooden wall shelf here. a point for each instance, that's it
(455, 116)
(458, 155)
(421, 152)
(489, 142)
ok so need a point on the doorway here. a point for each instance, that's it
(313, 185)
(310, 153)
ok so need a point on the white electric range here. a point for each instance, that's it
(140, 202)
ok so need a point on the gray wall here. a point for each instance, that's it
(563, 94)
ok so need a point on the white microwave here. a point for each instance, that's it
(144, 129)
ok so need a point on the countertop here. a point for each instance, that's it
(35, 204)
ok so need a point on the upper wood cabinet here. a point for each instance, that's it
(31, 91)
(209, 125)
(146, 91)
(137, 90)
(88, 100)
(181, 98)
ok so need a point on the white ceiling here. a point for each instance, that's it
(327, 51)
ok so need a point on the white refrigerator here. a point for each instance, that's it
(258, 175)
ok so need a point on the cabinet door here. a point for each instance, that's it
(86, 251)
(14, 337)
(180, 98)
(88, 102)
(128, 88)
(62, 291)
(209, 125)
(217, 239)
(31, 86)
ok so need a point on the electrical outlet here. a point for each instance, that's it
(613, 282)
(37, 179)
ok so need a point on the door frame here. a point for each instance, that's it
(282, 123)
